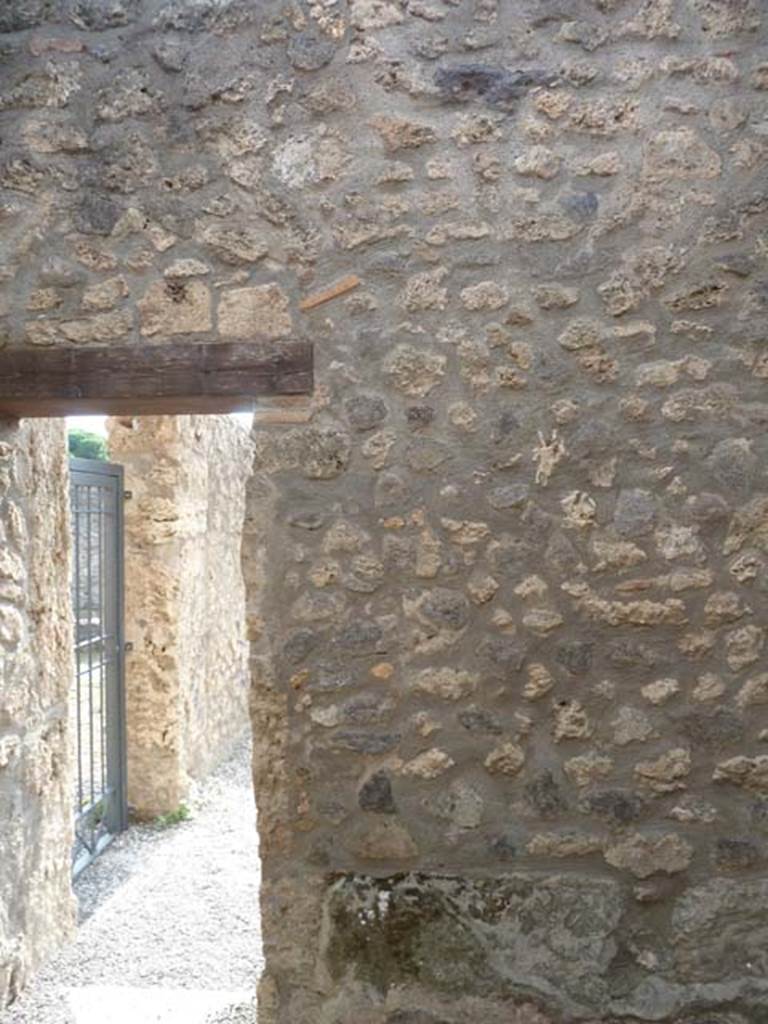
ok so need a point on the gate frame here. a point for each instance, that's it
(115, 717)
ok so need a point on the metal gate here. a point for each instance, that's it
(97, 696)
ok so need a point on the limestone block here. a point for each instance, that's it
(259, 312)
(175, 307)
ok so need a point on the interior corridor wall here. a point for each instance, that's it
(187, 677)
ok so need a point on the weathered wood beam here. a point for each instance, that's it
(151, 380)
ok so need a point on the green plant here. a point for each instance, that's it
(85, 445)
(182, 813)
(96, 814)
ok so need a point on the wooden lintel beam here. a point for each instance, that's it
(170, 378)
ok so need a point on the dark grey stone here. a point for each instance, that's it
(561, 554)
(740, 264)
(731, 854)
(361, 637)
(329, 677)
(124, 164)
(511, 556)
(306, 520)
(658, 889)
(319, 854)
(474, 719)
(365, 411)
(299, 644)
(594, 438)
(619, 806)
(503, 652)
(97, 15)
(543, 795)
(169, 55)
(426, 456)
(419, 416)
(432, 48)
(398, 553)
(310, 52)
(585, 34)
(733, 466)
(376, 795)
(106, 54)
(366, 742)
(390, 490)
(535, 521)
(22, 173)
(390, 263)
(498, 87)
(504, 426)
(756, 204)
(503, 847)
(722, 227)
(96, 215)
(552, 369)
(204, 15)
(714, 729)
(758, 296)
(446, 608)
(635, 513)
(707, 509)
(575, 655)
(17, 15)
(56, 272)
(758, 815)
(719, 928)
(365, 709)
(629, 652)
(510, 496)
(360, 582)
(581, 204)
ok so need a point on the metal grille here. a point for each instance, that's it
(97, 705)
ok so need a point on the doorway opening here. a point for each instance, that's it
(169, 927)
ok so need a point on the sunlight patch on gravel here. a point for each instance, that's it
(113, 1004)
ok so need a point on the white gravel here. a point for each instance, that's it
(169, 929)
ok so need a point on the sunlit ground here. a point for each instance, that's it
(113, 1004)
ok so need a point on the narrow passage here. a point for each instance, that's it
(169, 929)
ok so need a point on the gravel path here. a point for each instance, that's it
(169, 929)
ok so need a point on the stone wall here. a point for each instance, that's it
(187, 672)
(508, 568)
(36, 668)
